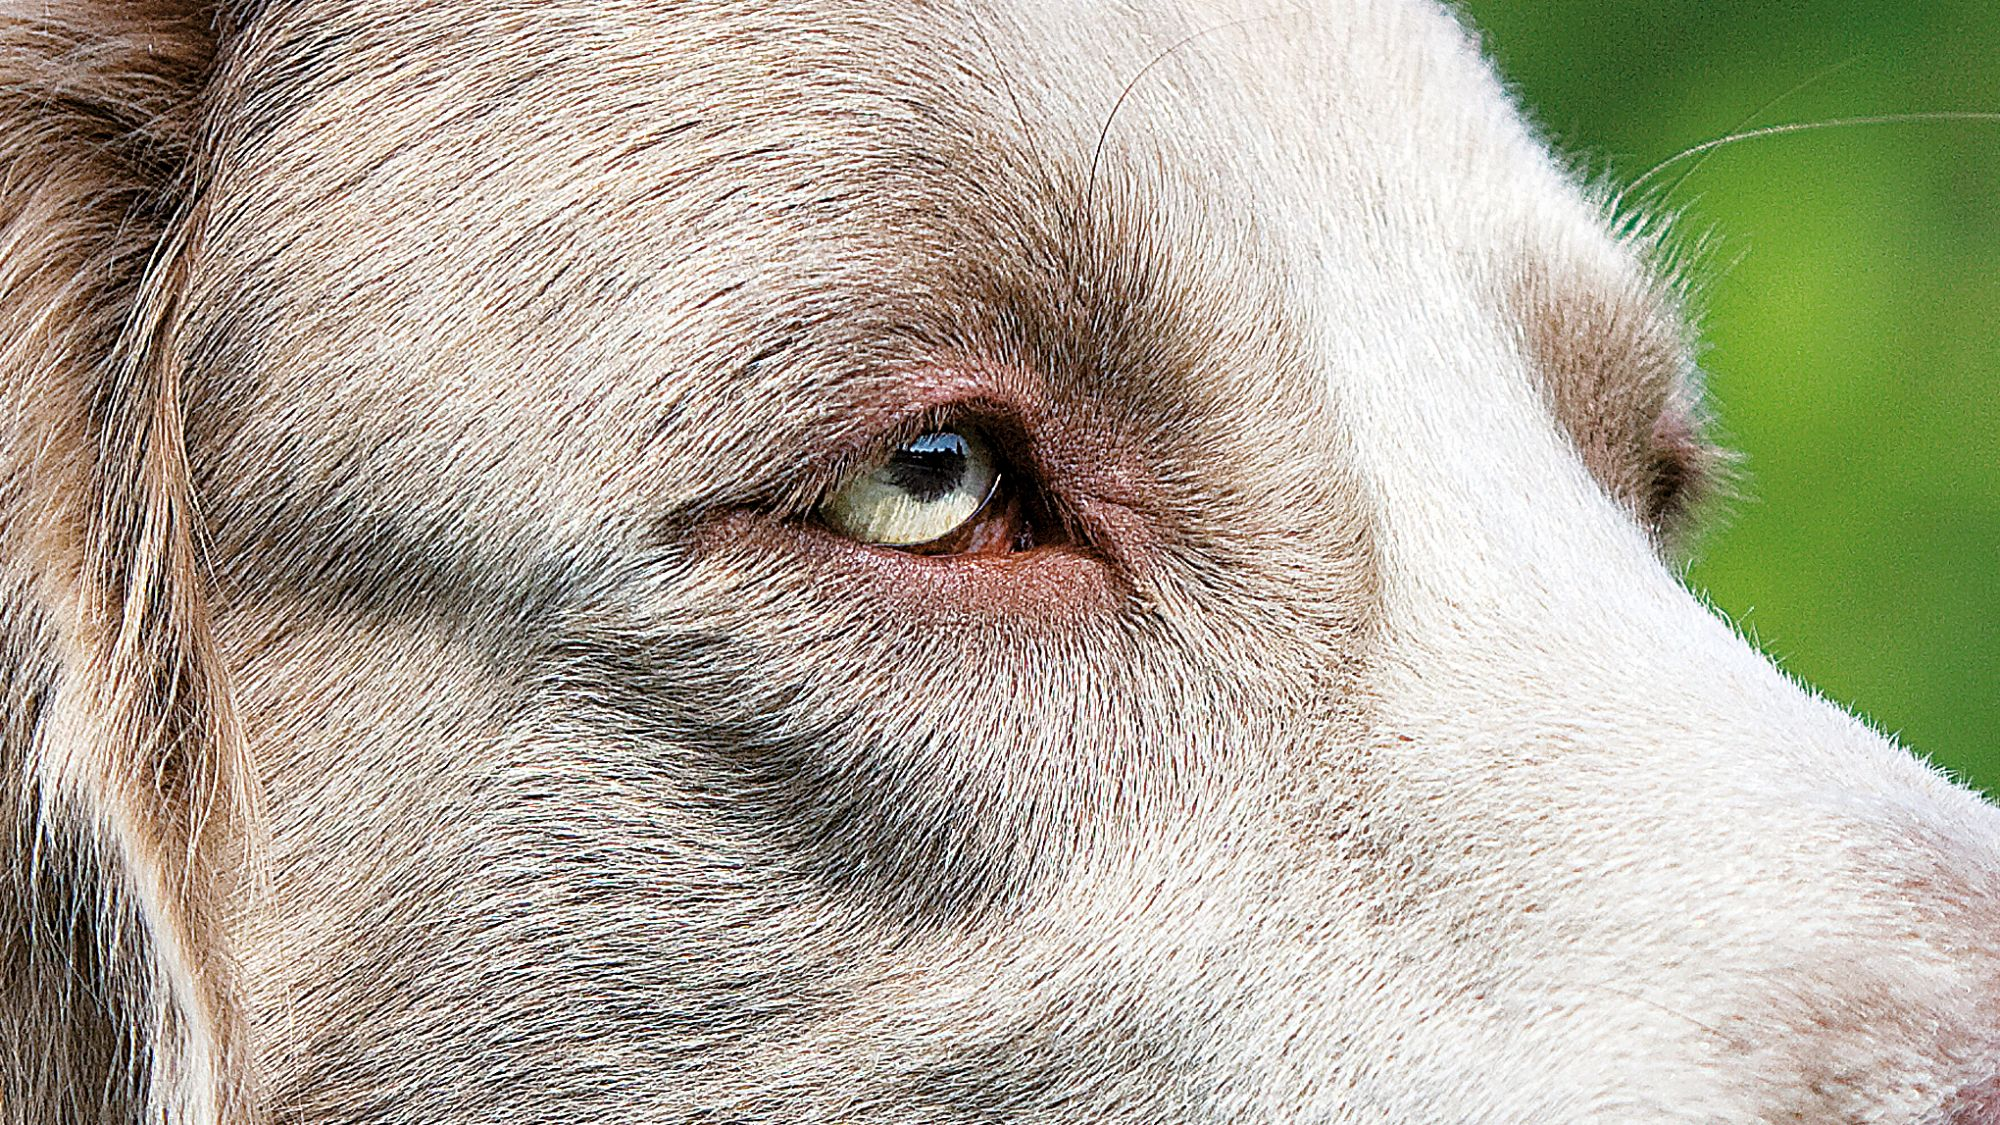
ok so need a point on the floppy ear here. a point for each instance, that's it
(125, 797)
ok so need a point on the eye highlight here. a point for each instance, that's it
(922, 492)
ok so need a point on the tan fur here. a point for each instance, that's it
(430, 697)
(129, 761)
(1612, 347)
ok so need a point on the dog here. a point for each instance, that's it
(839, 561)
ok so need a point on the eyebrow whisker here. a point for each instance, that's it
(1104, 132)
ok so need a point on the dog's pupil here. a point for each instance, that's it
(929, 468)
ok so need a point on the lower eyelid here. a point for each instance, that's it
(992, 529)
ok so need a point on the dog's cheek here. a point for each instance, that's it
(877, 767)
(916, 765)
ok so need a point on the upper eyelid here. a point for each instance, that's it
(806, 484)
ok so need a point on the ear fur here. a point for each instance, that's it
(125, 805)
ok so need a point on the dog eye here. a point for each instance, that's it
(920, 493)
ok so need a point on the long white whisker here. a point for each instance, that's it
(1750, 119)
(1962, 116)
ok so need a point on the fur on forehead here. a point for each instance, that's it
(681, 234)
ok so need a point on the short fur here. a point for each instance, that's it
(430, 698)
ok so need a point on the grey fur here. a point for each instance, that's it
(431, 699)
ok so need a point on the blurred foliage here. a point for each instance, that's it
(1852, 318)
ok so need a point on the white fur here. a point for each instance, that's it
(1370, 765)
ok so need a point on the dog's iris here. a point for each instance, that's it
(921, 491)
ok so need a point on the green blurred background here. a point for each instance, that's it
(1852, 317)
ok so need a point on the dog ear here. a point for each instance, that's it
(125, 795)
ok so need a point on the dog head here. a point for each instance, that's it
(897, 562)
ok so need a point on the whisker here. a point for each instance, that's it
(1961, 116)
(1104, 133)
(1810, 81)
